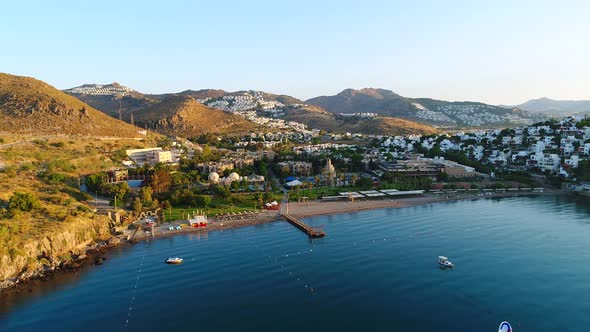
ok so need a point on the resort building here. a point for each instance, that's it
(154, 157)
(297, 168)
(140, 156)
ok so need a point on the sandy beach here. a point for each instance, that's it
(314, 208)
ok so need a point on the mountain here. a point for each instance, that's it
(170, 113)
(182, 115)
(146, 108)
(380, 101)
(316, 117)
(292, 109)
(205, 93)
(557, 107)
(28, 105)
(424, 110)
(112, 99)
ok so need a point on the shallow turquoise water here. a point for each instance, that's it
(521, 259)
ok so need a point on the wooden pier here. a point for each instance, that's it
(313, 232)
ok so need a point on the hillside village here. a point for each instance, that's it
(470, 115)
(253, 107)
(553, 149)
(113, 89)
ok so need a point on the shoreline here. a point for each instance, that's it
(317, 208)
(298, 209)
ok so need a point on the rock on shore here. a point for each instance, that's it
(41, 257)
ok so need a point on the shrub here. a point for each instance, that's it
(40, 142)
(22, 202)
(82, 208)
(202, 200)
(55, 178)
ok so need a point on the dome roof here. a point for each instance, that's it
(233, 177)
(213, 177)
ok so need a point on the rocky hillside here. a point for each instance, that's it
(58, 220)
(118, 105)
(424, 110)
(29, 106)
(41, 255)
(184, 116)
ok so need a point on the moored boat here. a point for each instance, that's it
(444, 262)
(505, 327)
(173, 260)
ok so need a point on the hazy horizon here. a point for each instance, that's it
(500, 53)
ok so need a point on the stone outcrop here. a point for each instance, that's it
(58, 250)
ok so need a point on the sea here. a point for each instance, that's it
(525, 260)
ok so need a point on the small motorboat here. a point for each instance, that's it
(505, 327)
(174, 260)
(444, 262)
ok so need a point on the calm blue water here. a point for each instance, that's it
(525, 260)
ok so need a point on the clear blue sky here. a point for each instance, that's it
(500, 52)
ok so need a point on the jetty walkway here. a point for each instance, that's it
(313, 232)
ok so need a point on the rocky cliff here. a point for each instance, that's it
(41, 256)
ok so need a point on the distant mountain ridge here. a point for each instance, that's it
(28, 105)
(157, 112)
(557, 107)
(385, 103)
(424, 110)
(317, 117)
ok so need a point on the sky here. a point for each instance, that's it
(498, 52)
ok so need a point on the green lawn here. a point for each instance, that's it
(240, 203)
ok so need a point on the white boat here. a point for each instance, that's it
(505, 327)
(444, 261)
(173, 260)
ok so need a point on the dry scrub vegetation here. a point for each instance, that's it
(49, 169)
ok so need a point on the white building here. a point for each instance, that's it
(154, 157)
(139, 156)
(550, 162)
(573, 161)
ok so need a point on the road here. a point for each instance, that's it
(46, 137)
(101, 203)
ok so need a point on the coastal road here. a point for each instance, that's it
(100, 203)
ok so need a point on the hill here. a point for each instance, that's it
(30, 106)
(244, 104)
(205, 93)
(292, 109)
(380, 101)
(316, 117)
(183, 116)
(556, 107)
(424, 110)
(112, 99)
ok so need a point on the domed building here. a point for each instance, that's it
(232, 177)
(213, 177)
